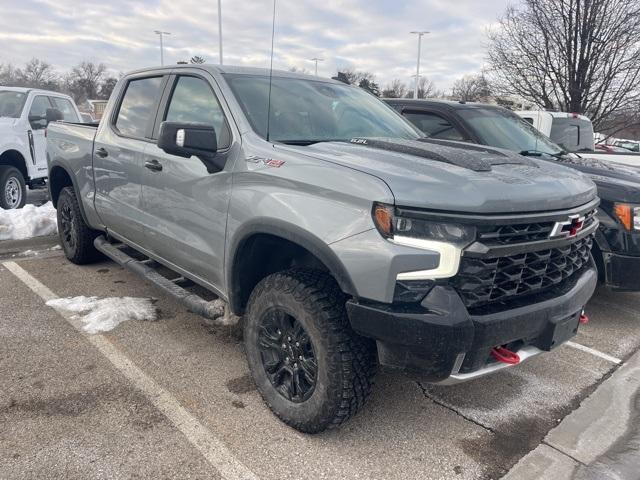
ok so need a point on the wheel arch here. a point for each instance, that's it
(60, 178)
(16, 159)
(287, 245)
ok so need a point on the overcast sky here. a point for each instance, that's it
(370, 35)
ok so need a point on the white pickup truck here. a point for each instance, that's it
(574, 133)
(24, 115)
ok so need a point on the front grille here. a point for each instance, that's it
(523, 232)
(498, 281)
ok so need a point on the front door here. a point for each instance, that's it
(118, 158)
(37, 140)
(185, 202)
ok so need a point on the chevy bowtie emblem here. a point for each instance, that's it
(569, 228)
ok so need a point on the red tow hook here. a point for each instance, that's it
(584, 319)
(505, 355)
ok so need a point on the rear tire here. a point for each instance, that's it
(13, 189)
(75, 235)
(312, 370)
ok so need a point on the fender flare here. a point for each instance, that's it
(74, 184)
(292, 233)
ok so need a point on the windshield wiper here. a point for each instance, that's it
(539, 153)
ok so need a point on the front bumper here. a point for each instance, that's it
(441, 341)
(622, 272)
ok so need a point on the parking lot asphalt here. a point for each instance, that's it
(70, 406)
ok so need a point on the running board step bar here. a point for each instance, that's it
(196, 304)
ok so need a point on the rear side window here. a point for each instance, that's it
(193, 101)
(434, 126)
(65, 106)
(138, 106)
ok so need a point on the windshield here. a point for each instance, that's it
(11, 103)
(307, 111)
(504, 129)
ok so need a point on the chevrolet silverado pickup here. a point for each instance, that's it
(339, 236)
(24, 116)
(616, 247)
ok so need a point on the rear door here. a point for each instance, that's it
(186, 203)
(118, 156)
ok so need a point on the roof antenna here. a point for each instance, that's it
(273, 32)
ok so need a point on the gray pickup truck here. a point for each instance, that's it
(341, 237)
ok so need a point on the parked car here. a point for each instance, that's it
(610, 148)
(574, 133)
(24, 115)
(340, 235)
(630, 145)
(617, 243)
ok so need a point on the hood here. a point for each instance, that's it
(452, 176)
(616, 182)
(7, 122)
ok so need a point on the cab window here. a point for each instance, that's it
(434, 126)
(138, 106)
(193, 101)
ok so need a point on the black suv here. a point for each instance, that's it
(617, 246)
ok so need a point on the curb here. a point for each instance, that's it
(594, 440)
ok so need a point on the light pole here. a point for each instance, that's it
(220, 28)
(420, 34)
(161, 33)
(316, 59)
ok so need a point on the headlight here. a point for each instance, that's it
(447, 239)
(629, 215)
(392, 226)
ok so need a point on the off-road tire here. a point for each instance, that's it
(346, 362)
(75, 235)
(12, 178)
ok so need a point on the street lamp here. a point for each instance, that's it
(161, 33)
(420, 34)
(316, 59)
(220, 28)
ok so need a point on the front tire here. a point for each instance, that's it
(312, 370)
(13, 190)
(75, 235)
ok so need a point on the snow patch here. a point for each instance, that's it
(102, 315)
(27, 222)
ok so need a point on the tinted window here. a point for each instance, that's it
(306, 111)
(434, 125)
(137, 106)
(38, 112)
(193, 101)
(11, 103)
(65, 106)
(573, 134)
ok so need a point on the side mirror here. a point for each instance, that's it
(188, 139)
(53, 115)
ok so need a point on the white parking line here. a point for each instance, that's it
(215, 452)
(595, 352)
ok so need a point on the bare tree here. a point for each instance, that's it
(426, 89)
(396, 89)
(578, 56)
(8, 76)
(106, 87)
(84, 80)
(471, 88)
(197, 59)
(37, 74)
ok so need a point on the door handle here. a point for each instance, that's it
(153, 165)
(102, 152)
